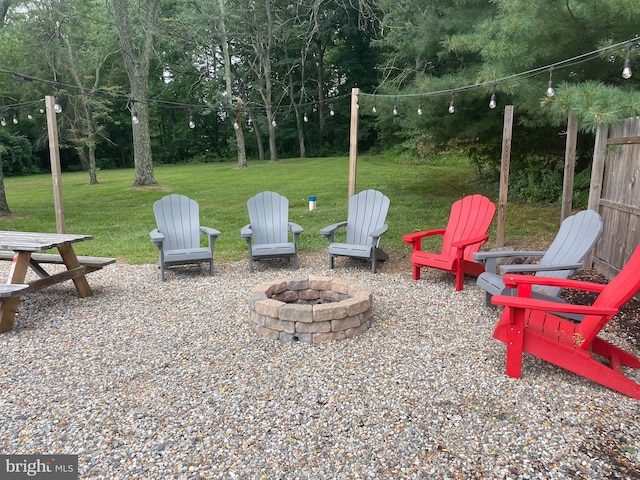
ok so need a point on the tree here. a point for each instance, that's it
(137, 23)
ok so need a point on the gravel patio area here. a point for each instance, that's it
(162, 380)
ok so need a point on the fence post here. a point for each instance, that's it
(569, 167)
(507, 132)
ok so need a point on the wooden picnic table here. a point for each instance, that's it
(23, 248)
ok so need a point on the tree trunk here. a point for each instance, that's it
(137, 57)
(237, 122)
(4, 206)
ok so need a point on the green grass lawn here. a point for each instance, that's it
(120, 217)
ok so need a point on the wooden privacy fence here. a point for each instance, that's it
(615, 194)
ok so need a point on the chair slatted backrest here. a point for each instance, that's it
(367, 213)
(178, 219)
(269, 218)
(470, 217)
(576, 237)
(621, 288)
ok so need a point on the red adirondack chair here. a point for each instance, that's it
(526, 325)
(466, 232)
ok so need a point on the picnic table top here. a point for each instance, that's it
(37, 241)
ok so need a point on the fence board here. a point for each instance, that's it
(619, 199)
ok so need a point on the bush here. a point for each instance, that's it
(537, 179)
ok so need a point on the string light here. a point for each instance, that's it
(131, 105)
(569, 62)
(626, 70)
(15, 119)
(192, 123)
(305, 118)
(492, 101)
(56, 106)
(550, 90)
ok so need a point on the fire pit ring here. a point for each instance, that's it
(313, 309)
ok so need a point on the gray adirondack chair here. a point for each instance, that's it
(577, 236)
(364, 226)
(268, 233)
(178, 233)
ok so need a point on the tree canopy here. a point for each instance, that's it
(143, 83)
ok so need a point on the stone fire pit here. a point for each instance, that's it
(313, 309)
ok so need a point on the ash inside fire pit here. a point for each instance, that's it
(313, 309)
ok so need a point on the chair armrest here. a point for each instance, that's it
(296, 230)
(156, 237)
(380, 231)
(329, 231)
(415, 239)
(212, 234)
(470, 241)
(246, 233)
(512, 281)
(538, 268)
(479, 256)
(535, 304)
(412, 237)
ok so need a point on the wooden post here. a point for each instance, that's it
(507, 132)
(353, 141)
(569, 166)
(54, 153)
(597, 168)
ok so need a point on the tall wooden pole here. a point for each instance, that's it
(569, 167)
(54, 154)
(353, 141)
(507, 132)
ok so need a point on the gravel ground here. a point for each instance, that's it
(153, 380)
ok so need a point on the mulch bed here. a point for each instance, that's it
(626, 323)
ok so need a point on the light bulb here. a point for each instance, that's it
(374, 109)
(331, 112)
(56, 107)
(452, 108)
(15, 120)
(305, 118)
(550, 90)
(273, 122)
(236, 126)
(29, 116)
(395, 110)
(492, 102)
(626, 71)
(134, 118)
(192, 124)
(3, 122)
(420, 110)
(42, 110)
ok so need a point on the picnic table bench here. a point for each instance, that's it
(24, 249)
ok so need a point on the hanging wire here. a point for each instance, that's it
(521, 75)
